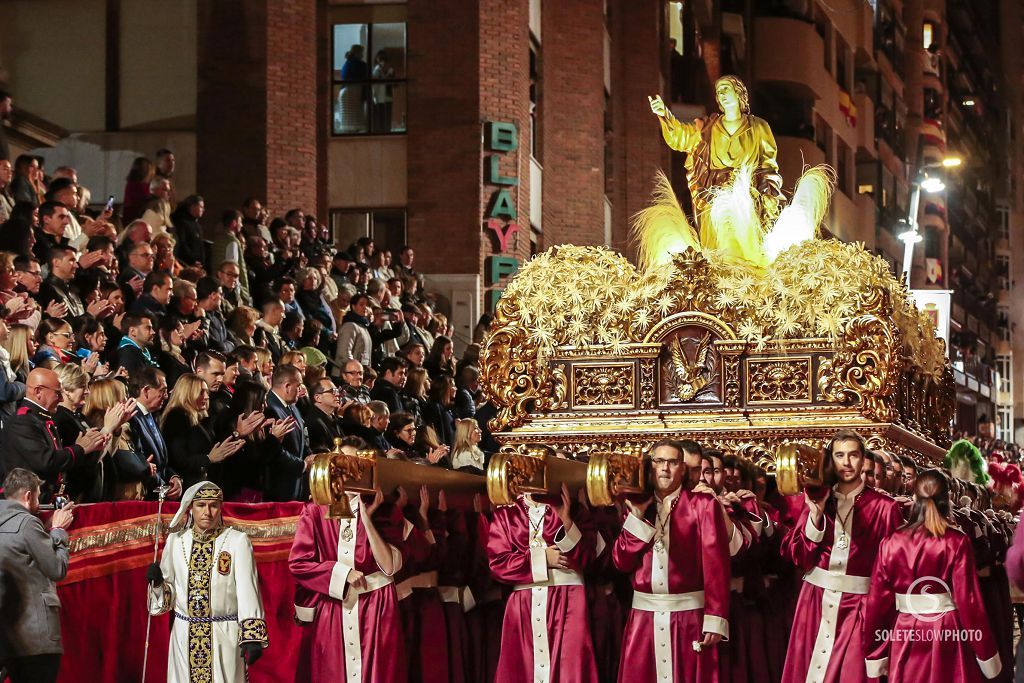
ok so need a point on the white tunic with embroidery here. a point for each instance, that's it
(202, 580)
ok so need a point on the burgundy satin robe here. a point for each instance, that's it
(825, 644)
(376, 631)
(695, 558)
(919, 647)
(563, 651)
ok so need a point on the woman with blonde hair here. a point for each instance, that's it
(265, 366)
(925, 584)
(190, 447)
(466, 455)
(126, 473)
(21, 346)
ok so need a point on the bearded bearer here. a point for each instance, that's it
(834, 543)
(677, 546)
(207, 577)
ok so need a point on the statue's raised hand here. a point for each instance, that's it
(658, 106)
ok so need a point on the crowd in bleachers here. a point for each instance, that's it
(144, 344)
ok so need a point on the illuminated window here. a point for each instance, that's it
(368, 77)
(928, 34)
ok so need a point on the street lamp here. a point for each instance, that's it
(930, 184)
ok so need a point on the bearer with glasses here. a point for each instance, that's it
(676, 546)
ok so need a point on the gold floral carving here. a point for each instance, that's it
(603, 385)
(779, 380)
(868, 361)
(517, 377)
(732, 380)
(647, 389)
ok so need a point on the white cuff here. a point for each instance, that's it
(539, 564)
(339, 582)
(305, 614)
(769, 526)
(396, 561)
(566, 539)
(468, 599)
(429, 535)
(813, 533)
(991, 667)
(876, 668)
(713, 624)
(735, 541)
(758, 526)
(600, 545)
(638, 527)
(407, 529)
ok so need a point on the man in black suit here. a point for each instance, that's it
(288, 457)
(212, 366)
(388, 386)
(321, 417)
(148, 386)
(132, 351)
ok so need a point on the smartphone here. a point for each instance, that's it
(110, 204)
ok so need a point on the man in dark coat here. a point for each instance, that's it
(30, 439)
(321, 416)
(388, 386)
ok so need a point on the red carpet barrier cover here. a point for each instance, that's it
(103, 598)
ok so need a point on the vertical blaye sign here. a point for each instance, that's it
(500, 139)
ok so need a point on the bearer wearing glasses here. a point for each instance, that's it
(676, 546)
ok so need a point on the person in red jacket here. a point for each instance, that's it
(925, 621)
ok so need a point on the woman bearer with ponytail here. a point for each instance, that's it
(924, 619)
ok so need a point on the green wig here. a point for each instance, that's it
(966, 462)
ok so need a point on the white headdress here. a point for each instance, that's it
(204, 490)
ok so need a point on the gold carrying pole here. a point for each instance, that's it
(612, 475)
(336, 474)
(798, 465)
(538, 470)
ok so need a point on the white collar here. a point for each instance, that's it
(848, 496)
(667, 500)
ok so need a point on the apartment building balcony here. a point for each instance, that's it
(852, 220)
(799, 68)
(865, 124)
(794, 153)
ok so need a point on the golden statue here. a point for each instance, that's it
(734, 181)
(722, 144)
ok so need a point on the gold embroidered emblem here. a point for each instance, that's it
(224, 563)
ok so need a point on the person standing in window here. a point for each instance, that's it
(350, 112)
(382, 96)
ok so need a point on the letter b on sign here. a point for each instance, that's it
(502, 136)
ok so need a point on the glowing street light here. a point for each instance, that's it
(930, 184)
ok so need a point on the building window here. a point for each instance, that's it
(1004, 221)
(843, 160)
(386, 227)
(368, 78)
(535, 101)
(1004, 423)
(928, 34)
